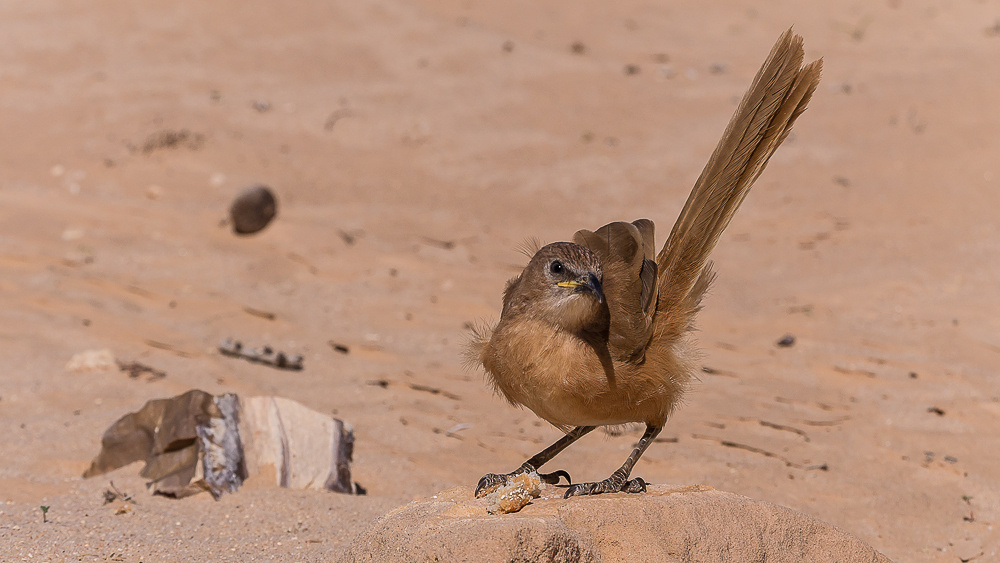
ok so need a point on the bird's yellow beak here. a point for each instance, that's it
(590, 284)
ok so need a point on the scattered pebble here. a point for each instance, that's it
(253, 209)
(786, 341)
(172, 138)
(91, 360)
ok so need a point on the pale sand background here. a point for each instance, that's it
(873, 237)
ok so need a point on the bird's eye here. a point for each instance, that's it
(556, 267)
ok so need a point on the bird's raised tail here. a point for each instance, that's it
(778, 94)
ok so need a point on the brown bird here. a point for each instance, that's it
(594, 332)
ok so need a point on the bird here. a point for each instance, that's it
(595, 331)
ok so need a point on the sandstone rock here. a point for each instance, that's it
(670, 525)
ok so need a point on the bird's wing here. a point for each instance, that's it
(626, 253)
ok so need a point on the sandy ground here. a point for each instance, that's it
(414, 145)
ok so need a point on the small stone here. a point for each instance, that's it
(91, 360)
(253, 209)
(786, 341)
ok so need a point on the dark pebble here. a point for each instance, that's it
(786, 341)
(253, 209)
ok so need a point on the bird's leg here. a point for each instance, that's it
(619, 481)
(491, 481)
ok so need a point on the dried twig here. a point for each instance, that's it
(785, 428)
(135, 369)
(113, 494)
(434, 391)
(168, 348)
(259, 313)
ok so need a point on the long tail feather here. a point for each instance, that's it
(778, 95)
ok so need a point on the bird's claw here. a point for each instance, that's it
(553, 478)
(637, 485)
(489, 483)
(493, 481)
(609, 485)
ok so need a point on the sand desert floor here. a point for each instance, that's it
(414, 145)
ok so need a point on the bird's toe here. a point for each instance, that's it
(609, 485)
(637, 485)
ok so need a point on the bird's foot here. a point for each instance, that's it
(612, 484)
(493, 481)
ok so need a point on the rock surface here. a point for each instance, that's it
(696, 523)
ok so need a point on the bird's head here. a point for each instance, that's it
(562, 284)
